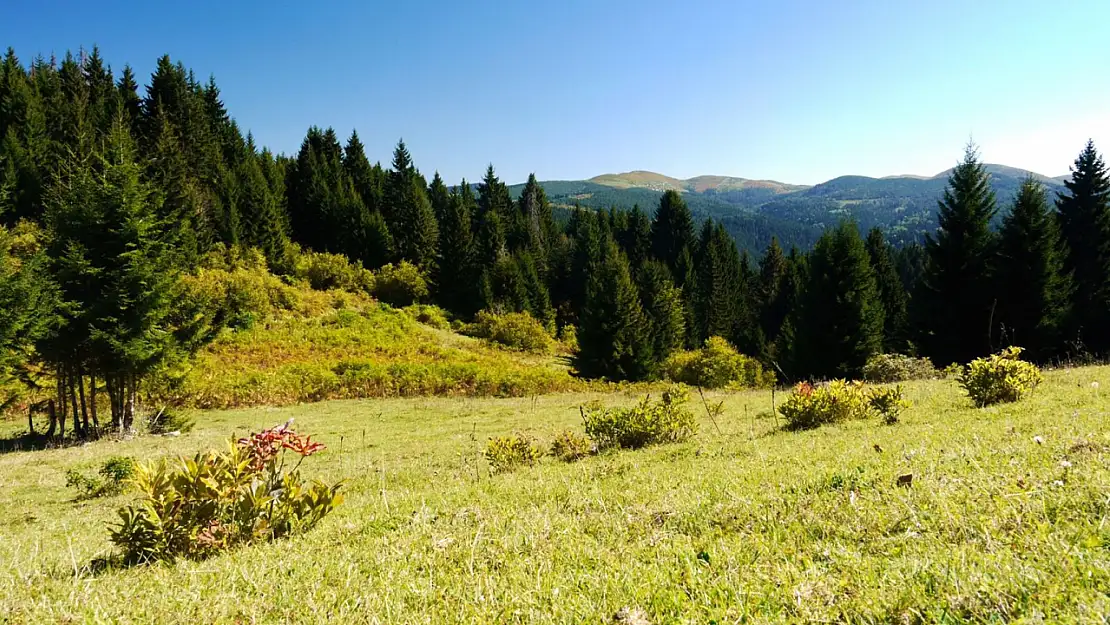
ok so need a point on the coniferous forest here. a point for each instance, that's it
(111, 190)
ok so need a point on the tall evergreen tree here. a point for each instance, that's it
(956, 302)
(891, 292)
(614, 337)
(414, 228)
(672, 236)
(458, 290)
(439, 197)
(1085, 224)
(488, 226)
(664, 307)
(773, 297)
(538, 228)
(635, 240)
(838, 323)
(1033, 286)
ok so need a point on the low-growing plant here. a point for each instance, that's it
(506, 453)
(717, 365)
(217, 500)
(515, 330)
(999, 378)
(569, 446)
(898, 368)
(432, 316)
(325, 271)
(400, 285)
(111, 479)
(664, 421)
(166, 421)
(833, 402)
(888, 402)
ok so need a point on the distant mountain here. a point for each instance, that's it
(754, 210)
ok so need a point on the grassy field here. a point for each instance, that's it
(1005, 520)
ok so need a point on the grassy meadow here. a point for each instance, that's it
(1005, 520)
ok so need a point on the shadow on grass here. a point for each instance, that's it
(37, 442)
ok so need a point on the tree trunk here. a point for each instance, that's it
(78, 427)
(92, 399)
(53, 418)
(61, 405)
(129, 407)
(84, 404)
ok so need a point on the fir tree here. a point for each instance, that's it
(635, 239)
(457, 273)
(672, 235)
(774, 298)
(838, 323)
(891, 292)
(957, 299)
(1033, 286)
(488, 226)
(1085, 224)
(537, 221)
(664, 307)
(614, 338)
(439, 197)
(413, 223)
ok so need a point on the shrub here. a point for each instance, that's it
(166, 421)
(220, 499)
(898, 368)
(432, 316)
(999, 378)
(888, 402)
(647, 423)
(333, 271)
(716, 365)
(515, 330)
(400, 285)
(111, 479)
(837, 401)
(506, 453)
(569, 446)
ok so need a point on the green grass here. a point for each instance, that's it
(751, 524)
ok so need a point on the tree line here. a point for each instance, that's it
(109, 195)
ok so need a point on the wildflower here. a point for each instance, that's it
(1058, 483)
(1065, 464)
(1038, 440)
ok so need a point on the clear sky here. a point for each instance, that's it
(798, 91)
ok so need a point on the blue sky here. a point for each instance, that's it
(796, 91)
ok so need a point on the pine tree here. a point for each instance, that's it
(635, 240)
(131, 105)
(774, 297)
(488, 226)
(956, 301)
(716, 293)
(672, 235)
(838, 323)
(1085, 224)
(457, 273)
(1033, 286)
(614, 337)
(664, 307)
(891, 292)
(439, 197)
(261, 221)
(413, 223)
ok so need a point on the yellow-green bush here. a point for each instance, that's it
(432, 316)
(898, 368)
(400, 285)
(506, 453)
(333, 271)
(838, 401)
(888, 402)
(999, 378)
(716, 365)
(111, 479)
(646, 423)
(515, 330)
(569, 446)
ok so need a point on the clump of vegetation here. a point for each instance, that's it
(217, 500)
(333, 271)
(717, 365)
(167, 421)
(999, 378)
(834, 402)
(515, 330)
(111, 479)
(664, 421)
(569, 446)
(888, 402)
(431, 316)
(885, 368)
(506, 453)
(400, 285)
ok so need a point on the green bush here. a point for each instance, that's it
(220, 499)
(506, 453)
(400, 285)
(516, 330)
(898, 368)
(333, 271)
(834, 402)
(646, 423)
(569, 446)
(716, 365)
(888, 402)
(432, 316)
(166, 421)
(111, 479)
(999, 378)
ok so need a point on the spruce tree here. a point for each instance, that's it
(773, 297)
(635, 240)
(488, 227)
(439, 197)
(672, 236)
(838, 323)
(1033, 286)
(538, 223)
(131, 104)
(956, 300)
(1084, 210)
(664, 307)
(716, 293)
(413, 223)
(614, 337)
(891, 292)
(457, 273)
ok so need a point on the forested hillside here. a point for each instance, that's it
(113, 196)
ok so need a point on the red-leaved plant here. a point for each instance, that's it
(220, 499)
